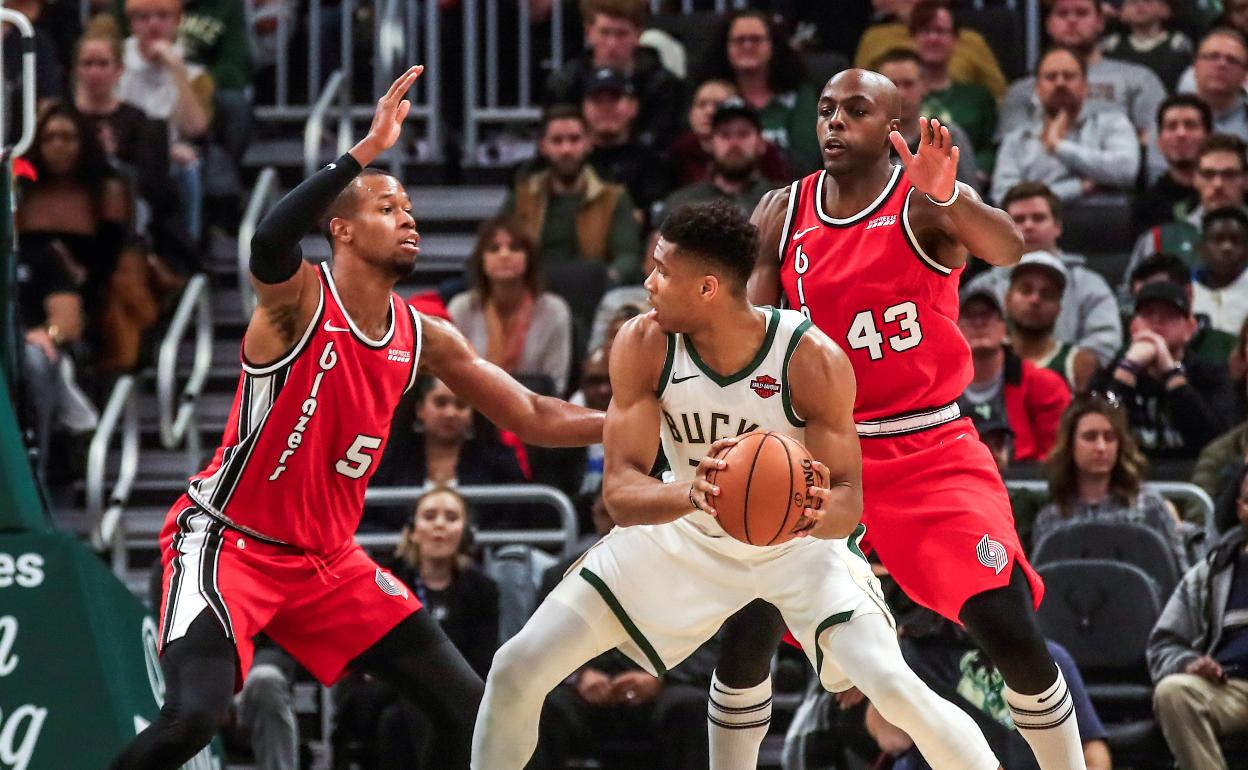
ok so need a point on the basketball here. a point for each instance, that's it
(763, 491)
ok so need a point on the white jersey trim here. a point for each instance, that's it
(786, 235)
(871, 207)
(361, 336)
(914, 242)
(299, 346)
(418, 339)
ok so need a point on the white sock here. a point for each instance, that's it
(737, 722)
(1047, 721)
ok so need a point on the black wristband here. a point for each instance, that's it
(1177, 371)
(1130, 366)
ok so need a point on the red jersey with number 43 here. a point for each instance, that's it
(306, 432)
(869, 286)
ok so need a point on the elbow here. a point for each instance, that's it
(619, 513)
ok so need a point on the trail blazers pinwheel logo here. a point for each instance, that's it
(992, 554)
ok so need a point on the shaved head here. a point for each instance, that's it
(872, 85)
(347, 203)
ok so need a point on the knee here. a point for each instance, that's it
(1177, 693)
(266, 689)
(192, 726)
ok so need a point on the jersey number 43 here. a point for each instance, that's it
(865, 333)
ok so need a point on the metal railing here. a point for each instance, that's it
(28, 84)
(690, 6)
(104, 509)
(336, 88)
(263, 195)
(1180, 490)
(565, 535)
(178, 427)
(490, 111)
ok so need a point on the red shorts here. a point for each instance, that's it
(323, 609)
(939, 517)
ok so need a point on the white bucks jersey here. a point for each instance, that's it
(701, 406)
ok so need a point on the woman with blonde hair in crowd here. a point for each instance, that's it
(434, 560)
(1096, 471)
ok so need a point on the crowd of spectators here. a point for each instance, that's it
(1099, 365)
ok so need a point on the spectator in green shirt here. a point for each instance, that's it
(934, 29)
(752, 53)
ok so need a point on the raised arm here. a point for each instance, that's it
(823, 390)
(286, 286)
(768, 217)
(948, 232)
(538, 420)
(632, 432)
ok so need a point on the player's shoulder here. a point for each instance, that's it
(639, 352)
(640, 335)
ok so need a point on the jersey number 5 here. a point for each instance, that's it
(357, 461)
(863, 332)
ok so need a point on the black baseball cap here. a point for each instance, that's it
(1163, 291)
(989, 417)
(985, 294)
(607, 79)
(734, 107)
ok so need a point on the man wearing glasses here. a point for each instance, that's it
(1220, 181)
(1218, 79)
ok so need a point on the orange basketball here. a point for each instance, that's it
(764, 490)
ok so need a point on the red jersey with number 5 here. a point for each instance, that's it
(867, 283)
(306, 431)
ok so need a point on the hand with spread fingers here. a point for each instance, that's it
(933, 170)
(387, 125)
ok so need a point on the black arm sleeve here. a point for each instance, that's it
(275, 252)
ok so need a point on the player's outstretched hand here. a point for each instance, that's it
(701, 490)
(388, 119)
(933, 170)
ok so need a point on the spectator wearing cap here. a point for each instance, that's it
(1220, 289)
(751, 51)
(690, 155)
(903, 67)
(994, 430)
(736, 149)
(1207, 343)
(1183, 123)
(613, 33)
(1221, 179)
(1089, 317)
(1119, 85)
(1072, 146)
(1033, 302)
(610, 107)
(1176, 403)
(1031, 398)
(568, 210)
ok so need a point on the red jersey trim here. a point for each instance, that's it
(355, 330)
(294, 352)
(871, 208)
(913, 242)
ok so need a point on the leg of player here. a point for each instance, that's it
(866, 649)
(738, 711)
(199, 671)
(572, 626)
(1003, 623)
(417, 657)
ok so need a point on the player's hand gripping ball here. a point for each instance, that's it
(766, 488)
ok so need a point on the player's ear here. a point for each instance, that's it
(710, 286)
(340, 229)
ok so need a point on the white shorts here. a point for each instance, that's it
(673, 585)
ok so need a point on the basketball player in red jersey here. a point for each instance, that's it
(263, 538)
(872, 253)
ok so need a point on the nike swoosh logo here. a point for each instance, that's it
(800, 233)
(329, 327)
(677, 380)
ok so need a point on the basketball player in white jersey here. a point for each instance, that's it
(704, 366)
